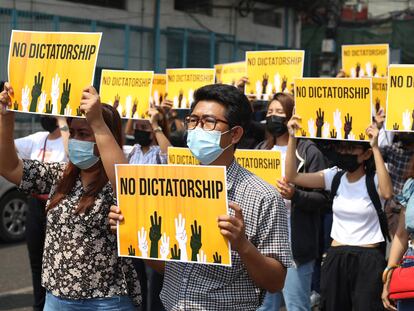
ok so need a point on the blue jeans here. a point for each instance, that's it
(115, 303)
(296, 292)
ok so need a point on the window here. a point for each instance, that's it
(194, 6)
(116, 4)
(267, 18)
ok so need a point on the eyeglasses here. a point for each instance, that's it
(208, 123)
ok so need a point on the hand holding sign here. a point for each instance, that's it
(36, 91)
(233, 228)
(90, 105)
(5, 100)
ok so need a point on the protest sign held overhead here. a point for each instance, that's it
(271, 72)
(400, 95)
(182, 83)
(366, 60)
(333, 108)
(159, 89)
(49, 70)
(230, 73)
(128, 91)
(171, 213)
(264, 163)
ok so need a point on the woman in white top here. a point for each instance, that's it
(351, 273)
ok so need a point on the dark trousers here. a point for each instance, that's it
(351, 279)
(35, 237)
(151, 285)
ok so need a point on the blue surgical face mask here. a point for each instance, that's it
(205, 145)
(81, 153)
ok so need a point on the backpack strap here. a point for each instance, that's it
(335, 183)
(373, 194)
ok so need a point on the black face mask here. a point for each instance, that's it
(347, 162)
(143, 138)
(48, 123)
(276, 125)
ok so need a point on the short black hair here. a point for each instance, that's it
(238, 108)
(2, 86)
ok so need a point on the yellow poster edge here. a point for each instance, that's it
(174, 165)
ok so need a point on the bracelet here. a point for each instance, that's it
(157, 129)
(386, 271)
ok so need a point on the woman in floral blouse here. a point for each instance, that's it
(81, 269)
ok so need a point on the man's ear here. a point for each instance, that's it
(236, 134)
(367, 154)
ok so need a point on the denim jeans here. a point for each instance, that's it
(115, 303)
(296, 292)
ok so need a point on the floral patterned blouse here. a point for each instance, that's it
(80, 258)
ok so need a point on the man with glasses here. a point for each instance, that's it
(256, 227)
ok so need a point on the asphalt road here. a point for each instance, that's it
(15, 278)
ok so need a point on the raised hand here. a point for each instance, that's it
(55, 92)
(49, 107)
(347, 126)
(368, 69)
(143, 243)
(64, 99)
(36, 91)
(284, 83)
(377, 105)
(311, 128)
(175, 252)
(155, 98)
(325, 131)
(395, 126)
(333, 133)
(351, 136)
(358, 70)
(406, 120)
(116, 101)
(120, 110)
(277, 83)
(25, 99)
(68, 111)
(372, 133)
(216, 258)
(412, 126)
(319, 122)
(155, 234)
(338, 123)
(165, 246)
(42, 103)
(180, 97)
(131, 251)
(303, 132)
(78, 112)
(128, 106)
(361, 136)
(15, 105)
(258, 89)
(134, 107)
(265, 81)
(190, 96)
(195, 242)
(374, 71)
(201, 257)
(181, 236)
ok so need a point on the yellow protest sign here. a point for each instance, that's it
(366, 60)
(263, 163)
(171, 213)
(379, 94)
(400, 108)
(230, 73)
(49, 70)
(333, 108)
(158, 88)
(128, 91)
(271, 72)
(181, 84)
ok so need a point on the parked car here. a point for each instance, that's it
(13, 210)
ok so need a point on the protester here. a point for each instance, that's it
(351, 273)
(44, 146)
(402, 245)
(303, 206)
(256, 227)
(81, 269)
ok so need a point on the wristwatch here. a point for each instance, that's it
(157, 129)
(64, 128)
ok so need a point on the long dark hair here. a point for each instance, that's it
(100, 179)
(288, 103)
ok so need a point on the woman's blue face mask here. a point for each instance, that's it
(81, 153)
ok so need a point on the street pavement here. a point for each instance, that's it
(15, 278)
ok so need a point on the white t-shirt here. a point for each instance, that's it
(355, 220)
(31, 147)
